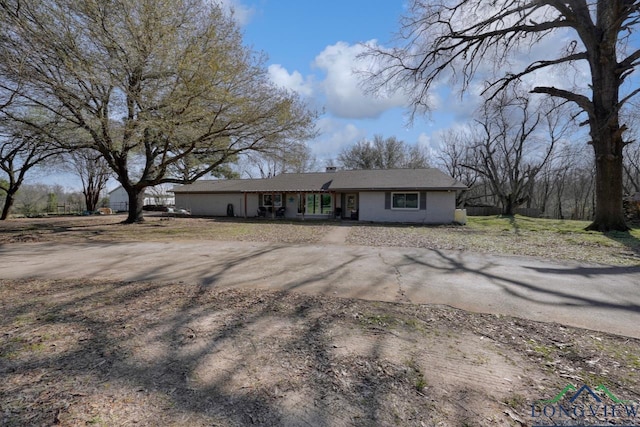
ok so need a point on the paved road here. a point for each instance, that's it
(595, 297)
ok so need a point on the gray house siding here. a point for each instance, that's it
(216, 204)
(435, 207)
(441, 207)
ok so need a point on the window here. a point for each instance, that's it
(316, 204)
(271, 200)
(404, 201)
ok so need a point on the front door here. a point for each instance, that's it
(350, 206)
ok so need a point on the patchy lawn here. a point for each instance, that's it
(545, 238)
(158, 228)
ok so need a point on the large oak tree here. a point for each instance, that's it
(153, 84)
(467, 39)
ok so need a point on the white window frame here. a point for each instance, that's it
(276, 199)
(417, 193)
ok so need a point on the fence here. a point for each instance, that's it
(119, 206)
(494, 210)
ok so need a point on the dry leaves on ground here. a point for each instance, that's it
(88, 353)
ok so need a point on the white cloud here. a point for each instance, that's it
(427, 143)
(342, 86)
(424, 140)
(334, 135)
(294, 81)
(241, 13)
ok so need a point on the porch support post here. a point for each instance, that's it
(303, 202)
(245, 205)
(334, 204)
(273, 205)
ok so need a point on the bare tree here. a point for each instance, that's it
(632, 168)
(160, 194)
(466, 39)
(454, 153)
(22, 148)
(383, 153)
(152, 84)
(94, 172)
(512, 146)
(293, 157)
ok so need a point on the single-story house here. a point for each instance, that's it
(425, 196)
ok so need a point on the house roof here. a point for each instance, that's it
(350, 180)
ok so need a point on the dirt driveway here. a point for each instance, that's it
(602, 298)
(221, 333)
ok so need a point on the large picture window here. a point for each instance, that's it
(317, 204)
(405, 201)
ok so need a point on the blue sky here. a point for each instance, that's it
(312, 48)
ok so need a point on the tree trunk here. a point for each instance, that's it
(136, 202)
(609, 212)
(508, 205)
(91, 199)
(8, 203)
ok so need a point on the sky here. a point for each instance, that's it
(312, 49)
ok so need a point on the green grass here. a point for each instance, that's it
(570, 236)
(520, 223)
(540, 349)
(418, 379)
(517, 235)
(381, 320)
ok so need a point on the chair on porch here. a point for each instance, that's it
(262, 211)
(280, 212)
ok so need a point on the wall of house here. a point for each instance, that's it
(291, 203)
(118, 199)
(216, 204)
(440, 208)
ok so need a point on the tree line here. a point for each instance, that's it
(41, 199)
(515, 153)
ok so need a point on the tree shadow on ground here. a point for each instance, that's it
(177, 354)
(627, 239)
(95, 353)
(89, 352)
(537, 293)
